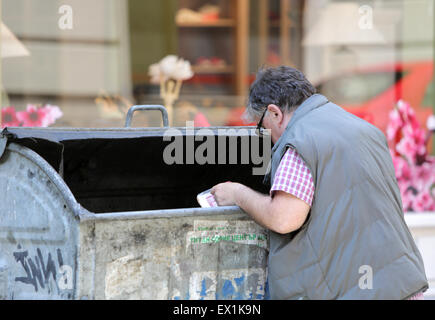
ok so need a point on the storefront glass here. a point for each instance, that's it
(92, 59)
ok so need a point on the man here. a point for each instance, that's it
(334, 211)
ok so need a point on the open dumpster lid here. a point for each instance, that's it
(65, 134)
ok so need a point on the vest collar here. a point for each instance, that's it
(315, 101)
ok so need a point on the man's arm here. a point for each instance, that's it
(282, 213)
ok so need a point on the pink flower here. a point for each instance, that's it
(425, 174)
(32, 117)
(52, 113)
(39, 117)
(407, 201)
(394, 125)
(418, 135)
(401, 167)
(415, 169)
(407, 148)
(201, 120)
(9, 118)
(407, 113)
(407, 194)
(423, 202)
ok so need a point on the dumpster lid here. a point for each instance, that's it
(64, 134)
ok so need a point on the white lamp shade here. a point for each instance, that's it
(10, 45)
(339, 24)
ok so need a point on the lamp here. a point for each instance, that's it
(339, 25)
(338, 28)
(10, 45)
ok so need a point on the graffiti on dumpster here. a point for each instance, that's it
(40, 270)
(244, 232)
(229, 237)
(238, 284)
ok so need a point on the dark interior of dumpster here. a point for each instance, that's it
(130, 174)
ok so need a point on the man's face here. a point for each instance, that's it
(276, 121)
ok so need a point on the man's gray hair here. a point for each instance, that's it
(282, 86)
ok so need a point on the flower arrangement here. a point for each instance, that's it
(33, 116)
(415, 168)
(170, 72)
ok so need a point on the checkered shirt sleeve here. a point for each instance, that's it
(294, 177)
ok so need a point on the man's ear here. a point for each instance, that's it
(275, 113)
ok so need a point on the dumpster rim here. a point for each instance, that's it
(165, 213)
(58, 134)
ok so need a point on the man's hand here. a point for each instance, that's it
(225, 193)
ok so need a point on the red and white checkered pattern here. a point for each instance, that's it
(294, 177)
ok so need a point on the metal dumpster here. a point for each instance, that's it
(98, 214)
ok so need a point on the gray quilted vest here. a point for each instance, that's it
(355, 243)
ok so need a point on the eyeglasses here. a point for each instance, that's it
(260, 130)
